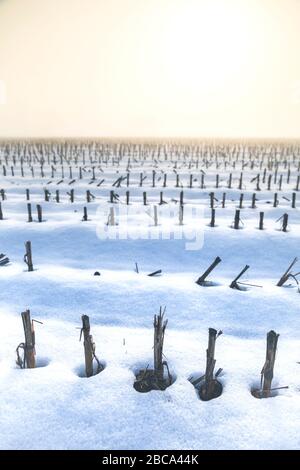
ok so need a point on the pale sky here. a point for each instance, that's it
(153, 68)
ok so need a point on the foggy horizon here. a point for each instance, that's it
(132, 69)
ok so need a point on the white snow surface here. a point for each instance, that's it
(54, 407)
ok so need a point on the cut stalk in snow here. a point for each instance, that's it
(234, 284)
(159, 334)
(287, 273)
(28, 346)
(211, 387)
(28, 256)
(89, 348)
(268, 368)
(202, 279)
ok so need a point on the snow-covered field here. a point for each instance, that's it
(53, 406)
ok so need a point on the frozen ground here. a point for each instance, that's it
(52, 407)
